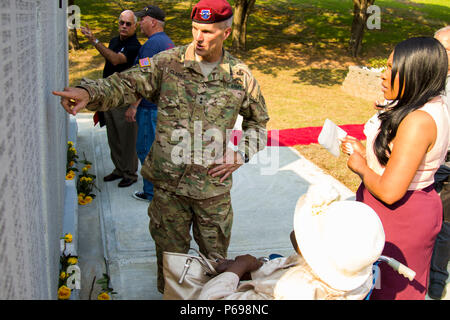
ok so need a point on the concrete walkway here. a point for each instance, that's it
(113, 229)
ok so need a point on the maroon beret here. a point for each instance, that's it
(211, 11)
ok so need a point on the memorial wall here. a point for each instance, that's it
(33, 146)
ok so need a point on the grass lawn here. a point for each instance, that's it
(297, 51)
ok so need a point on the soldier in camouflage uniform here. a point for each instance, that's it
(189, 162)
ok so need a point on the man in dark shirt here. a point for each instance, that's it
(120, 55)
(144, 112)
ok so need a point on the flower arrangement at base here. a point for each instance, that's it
(64, 292)
(70, 175)
(71, 159)
(106, 292)
(86, 163)
(103, 296)
(85, 184)
(84, 199)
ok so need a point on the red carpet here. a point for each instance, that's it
(301, 136)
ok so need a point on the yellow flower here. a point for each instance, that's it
(81, 194)
(71, 163)
(72, 260)
(68, 237)
(62, 275)
(72, 149)
(103, 296)
(70, 143)
(88, 166)
(85, 169)
(87, 179)
(88, 199)
(64, 293)
(70, 175)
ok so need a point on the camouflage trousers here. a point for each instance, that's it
(171, 218)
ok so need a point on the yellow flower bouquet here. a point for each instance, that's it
(67, 238)
(85, 184)
(107, 291)
(72, 260)
(103, 296)
(71, 159)
(70, 175)
(64, 292)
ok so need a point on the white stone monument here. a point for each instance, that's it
(33, 146)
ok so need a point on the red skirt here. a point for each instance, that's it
(411, 226)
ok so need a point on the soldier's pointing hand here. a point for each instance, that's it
(73, 99)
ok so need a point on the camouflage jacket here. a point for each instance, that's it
(195, 116)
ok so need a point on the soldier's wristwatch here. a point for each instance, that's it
(243, 155)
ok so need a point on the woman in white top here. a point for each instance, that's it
(406, 143)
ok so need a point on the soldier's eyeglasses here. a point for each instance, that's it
(125, 22)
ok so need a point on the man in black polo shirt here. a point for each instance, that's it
(120, 55)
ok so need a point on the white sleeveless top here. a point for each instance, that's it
(437, 108)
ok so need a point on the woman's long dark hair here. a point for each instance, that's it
(421, 64)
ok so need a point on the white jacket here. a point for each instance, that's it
(288, 278)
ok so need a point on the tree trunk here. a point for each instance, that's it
(73, 36)
(358, 25)
(242, 10)
(73, 39)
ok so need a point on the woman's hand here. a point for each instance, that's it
(350, 144)
(242, 266)
(249, 261)
(357, 163)
(223, 265)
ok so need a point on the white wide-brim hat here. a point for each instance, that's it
(340, 240)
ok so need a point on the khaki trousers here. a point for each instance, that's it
(122, 137)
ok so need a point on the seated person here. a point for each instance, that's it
(336, 243)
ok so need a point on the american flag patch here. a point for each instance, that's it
(144, 62)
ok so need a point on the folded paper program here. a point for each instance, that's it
(330, 136)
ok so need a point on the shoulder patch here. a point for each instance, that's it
(145, 62)
(242, 74)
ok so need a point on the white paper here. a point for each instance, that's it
(329, 137)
